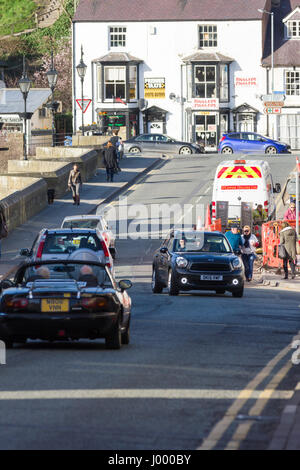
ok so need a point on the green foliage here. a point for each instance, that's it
(16, 15)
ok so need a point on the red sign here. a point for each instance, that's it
(245, 81)
(83, 104)
(238, 187)
(205, 103)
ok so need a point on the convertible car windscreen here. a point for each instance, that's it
(91, 274)
(203, 243)
(90, 223)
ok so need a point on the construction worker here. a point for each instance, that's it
(259, 215)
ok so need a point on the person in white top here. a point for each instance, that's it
(250, 243)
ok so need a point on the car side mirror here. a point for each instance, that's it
(125, 284)
(163, 250)
(25, 252)
(277, 188)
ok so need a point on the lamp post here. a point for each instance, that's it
(271, 13)
(81, 70)
(24, 84)
(52, 79)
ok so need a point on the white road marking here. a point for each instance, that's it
(176, 394)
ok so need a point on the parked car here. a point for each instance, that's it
(196, 260)
(160, 143)
(92, 222)
(55, 300)
(61, 244)
(250, 142)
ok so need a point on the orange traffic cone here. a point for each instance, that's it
(207, 217)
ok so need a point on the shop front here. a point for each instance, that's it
(126, 121)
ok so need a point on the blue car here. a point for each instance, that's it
(250, 142)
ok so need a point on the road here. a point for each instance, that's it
(198, 365)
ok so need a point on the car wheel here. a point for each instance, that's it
(238, 293)
(126, 334)
(156, 286)
(185, 150)
(227, 150)
(271, 150)
(114, 340)
(135, 150)
(172, 284)
(220, 291)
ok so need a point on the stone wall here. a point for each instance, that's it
(11, 148)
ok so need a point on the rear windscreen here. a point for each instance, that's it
(67, 243)
(90, 223)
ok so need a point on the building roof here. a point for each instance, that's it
(11, 100)
(167, 10)
(286, 51)
(118, 57)
(207, 57)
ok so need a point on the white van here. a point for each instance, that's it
(249, 181)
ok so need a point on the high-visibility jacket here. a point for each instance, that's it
(259, 217)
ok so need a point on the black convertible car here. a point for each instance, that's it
(195, 260)
(65, 300)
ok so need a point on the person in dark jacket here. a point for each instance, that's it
(3, 224)
(75, 184)
(288, 238)
(115, 140)
(110, 161)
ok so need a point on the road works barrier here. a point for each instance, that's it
(270, 242)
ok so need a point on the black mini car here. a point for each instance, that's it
(65, 300)
(195, 260)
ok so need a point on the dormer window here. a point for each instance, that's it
(293, 29)
(208, 36)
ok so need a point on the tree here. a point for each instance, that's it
(63, 66)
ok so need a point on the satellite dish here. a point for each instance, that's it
(142, 104)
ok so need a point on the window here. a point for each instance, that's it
(114, 82)
(205, 81)
(99, 83)
(292, 82)
(117, 36)
(133, 82)
(293, 29)
(208, 36)
(223, 82)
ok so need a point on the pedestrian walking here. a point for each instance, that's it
(3, 226)
(110, 161)
(75, 184)
(115, 141)
(288, 239)
(250, 243)
(235, 239)
(290, 213)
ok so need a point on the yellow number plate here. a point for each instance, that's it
(55, 305)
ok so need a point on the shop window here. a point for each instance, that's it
(117, 36)
(224, 95)
(114, 82)
(133, 82)
(292, 82)
(205, 81)
(293, 29)
(208, 36)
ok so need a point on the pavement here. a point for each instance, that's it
(95, 192)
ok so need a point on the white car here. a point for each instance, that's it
(93, 222)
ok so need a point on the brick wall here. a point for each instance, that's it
(11, 148)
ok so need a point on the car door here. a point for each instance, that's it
(165, 143)
(252, 143)
(146, 142)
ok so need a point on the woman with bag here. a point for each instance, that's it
(250, 243)
(75, 184)
(288, 240)
(3, 226)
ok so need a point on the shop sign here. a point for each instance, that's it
(155, 88)
(13, 118)
(211, 127)
(205, 103)
(245, 81)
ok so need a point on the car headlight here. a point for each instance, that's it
(181, 262)
(237, 263)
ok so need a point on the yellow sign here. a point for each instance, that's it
(239, 172)
(155, 88)
(55, 305)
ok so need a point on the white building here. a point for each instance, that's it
(196, 62)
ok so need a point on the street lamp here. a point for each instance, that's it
(52, 79)
(272, 43)
(24, 84)
(81, 70)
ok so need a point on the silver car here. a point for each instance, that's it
(160, 143)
